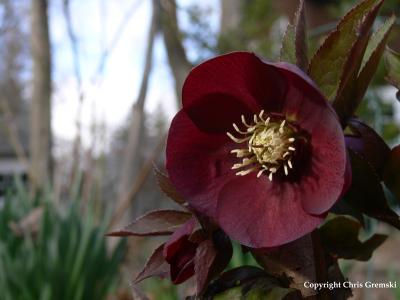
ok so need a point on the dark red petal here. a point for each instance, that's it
(325, 179)
(179, 252)
(263, 214)
(221, 89)
(177, 239)
(179, 275)
(304, 103)
(198, 164)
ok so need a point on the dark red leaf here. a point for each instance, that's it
(167, 187)
(366, 142)
(212, 257)
(340, 236)
(392, 172)
(204, 259)
(233, 278)
(155, 266)
(366, 193)
(159, 222)
(295, 260)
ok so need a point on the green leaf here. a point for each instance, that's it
(366, 193)
(340, 237)
(393, 65)
(249, 283)
(378, 39)
(262, 291)
(339, 57)
(391, 175)
(352, 96)
(294, 43)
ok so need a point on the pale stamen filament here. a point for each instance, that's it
(261, 116)
(240, 153)
(244, 122)
(270, 176)
(269, 148)
(244, 163)
(245, 172)
(260, 172)
(236, 140)
(238, 130)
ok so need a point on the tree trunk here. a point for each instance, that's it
(40, 137)
(230, 15)
(177, 59)
(136, 127)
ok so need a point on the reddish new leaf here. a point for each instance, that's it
(159, 222)
(392, 172)
(155, 266)
(338, 60)
(294, 43)
(167, 187)
(212, 257)
(204, 259)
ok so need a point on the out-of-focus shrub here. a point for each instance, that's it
(59, 253)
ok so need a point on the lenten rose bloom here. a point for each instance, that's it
(257, 148)
(179, 252)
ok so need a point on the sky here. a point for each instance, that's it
(109, 97)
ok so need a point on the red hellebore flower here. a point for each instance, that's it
(257, 148)
(179, 252)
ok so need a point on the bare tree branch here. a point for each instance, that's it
(78, 77)
(177, 58)
(118, 34)
(137, 183)
(137, 118)
(41, 163)
(12, 132)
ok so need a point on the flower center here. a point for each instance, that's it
(270, 146)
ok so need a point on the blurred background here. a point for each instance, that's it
(87, 91)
